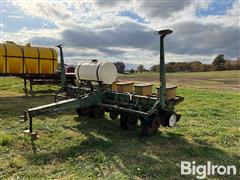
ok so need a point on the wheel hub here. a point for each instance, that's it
(172, 120)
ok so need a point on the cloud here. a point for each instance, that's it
(52, 11)
(190, 38)
(35, 36)
(97, 29)
(2, 25)
(162, 9)
(15, 16)
(205, 39)
(43, 41)
(104, 3)
(65, 13)
(126, 35)
(235, 10)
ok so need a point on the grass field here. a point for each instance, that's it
(79, 147)
(223, 81)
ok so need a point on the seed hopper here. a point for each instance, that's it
(94, 98)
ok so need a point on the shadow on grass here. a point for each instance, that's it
(12, 107)
(106, 145)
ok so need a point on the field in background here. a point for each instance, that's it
(216, 80)
(79, 147)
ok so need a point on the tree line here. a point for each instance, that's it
(218, 64)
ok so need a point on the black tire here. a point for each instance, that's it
(164, 121)
(167, 120)
(78, 111)
(150, 128)
(128, 121)
(178, 117)
(113, 114)
(83, 111)
(97, 112)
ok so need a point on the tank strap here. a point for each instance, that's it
(52, 60)
(26, 57)
(38, 59)
(5, 57)
(97, 70)
(23, 58)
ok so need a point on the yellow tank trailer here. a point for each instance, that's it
(18, 59)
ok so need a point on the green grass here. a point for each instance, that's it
(79, 147)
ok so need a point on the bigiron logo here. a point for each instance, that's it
(209, 169)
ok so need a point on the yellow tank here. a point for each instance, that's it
(17, 59)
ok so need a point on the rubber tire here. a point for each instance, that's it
(167, 118)
(85, 111)
(128, 121)
(78, 111)
(113, 114)
(97, 112)
(150, 128)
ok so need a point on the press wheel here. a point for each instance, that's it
(151, 127)
(128, 121)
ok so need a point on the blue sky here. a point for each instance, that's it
(14, 19)
(216, 7)
(123, 30)
(133, 16)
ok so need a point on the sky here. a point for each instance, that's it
(124, 30)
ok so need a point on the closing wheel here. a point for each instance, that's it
(97, 112)
(150, 128)
(128, 121)
(113, 114)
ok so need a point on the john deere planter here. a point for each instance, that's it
(93, 95)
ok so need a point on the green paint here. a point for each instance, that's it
(63, 73)
(162, 73)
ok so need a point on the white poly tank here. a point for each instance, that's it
(96, 71)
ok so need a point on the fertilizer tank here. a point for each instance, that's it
(105, 72)
(17, 59)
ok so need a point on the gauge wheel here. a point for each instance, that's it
(128, 121)
(149, 128)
